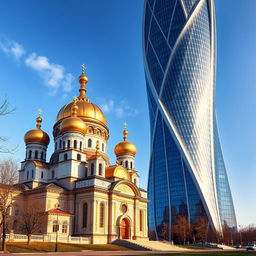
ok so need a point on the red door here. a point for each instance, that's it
(124, 229)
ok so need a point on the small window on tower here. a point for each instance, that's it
(100, 169)
(32, 174)
(75, 143)
(53, 174)
(60, 144)
(89, 143)
(42, 175)
(131, 165)
(64, 144)
(78, 157)
(81, 145)
(126, 164)
(68, 143)
(42, 155)
(27, 175)
(65, 156)
(29, 154)
(102, 147)
(36, 154)
(92, 168)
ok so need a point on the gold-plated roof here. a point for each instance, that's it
(125, 147)
(37, 135)
(117, 171)
(86, 109)
(73, 123)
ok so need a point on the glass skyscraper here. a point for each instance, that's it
(187, 173)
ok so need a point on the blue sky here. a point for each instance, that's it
(44, 43)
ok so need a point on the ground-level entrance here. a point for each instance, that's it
(125, 228)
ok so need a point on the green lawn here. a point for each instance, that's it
(15, 247)
(235, 253)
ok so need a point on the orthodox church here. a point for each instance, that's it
(81, 192)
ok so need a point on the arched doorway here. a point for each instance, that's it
(125, 229)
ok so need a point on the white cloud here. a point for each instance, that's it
(120, 110)
(13, 48)
(52, 74)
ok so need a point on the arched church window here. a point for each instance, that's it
(121, 163)
(55, 226)
(126, 164)
(141, 220)
(29, 154)
(42, 155)
(68, 143)
(42, 175)
(64, 227)
(36, 154)
(92, 168)
(78, 157)
(85, 213)
(89, 143)
(64, 144)
(102, 147)
(131, 165)
(81, 145)
(100, 169)
(65, 156)
(60, 144)
(101, 215)
(75, 143)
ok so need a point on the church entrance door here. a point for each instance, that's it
(125, 228)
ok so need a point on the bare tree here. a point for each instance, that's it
(8, 177)
(31, 221)
(200, 229)
(5, 110)
(181, 229)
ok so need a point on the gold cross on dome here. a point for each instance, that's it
(83, 68)
(39, 111)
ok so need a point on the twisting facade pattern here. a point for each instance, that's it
(187, 171)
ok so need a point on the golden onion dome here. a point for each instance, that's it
(86, 110)
(37, 135)
(125, 147)
(73, 123)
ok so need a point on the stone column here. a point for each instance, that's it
(134, 237)
(96, 216)
(110, 218)
(91, 219)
